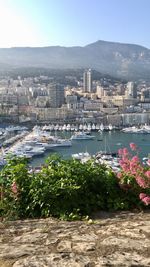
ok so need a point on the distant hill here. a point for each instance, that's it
(128, 61)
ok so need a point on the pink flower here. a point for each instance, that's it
(146, 200)
(133, 171)
(135, 158)
(141, 182)
(147, 173)
(133, 165)
(142, 195)
(125, 159)
(133, 146)
(148, 162)
(121, 162)
(14, 188)
(125, 151)
(125, 168)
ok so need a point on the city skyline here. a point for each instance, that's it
(38, 23)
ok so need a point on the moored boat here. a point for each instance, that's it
(82, 136)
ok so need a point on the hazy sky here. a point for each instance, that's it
(73, 22)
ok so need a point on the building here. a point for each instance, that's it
(135, 119)
(71, 101)
(55, 114)
(87, 81)
(131, 90)
(8, 99)
(92, 105)
(99, 91)
(56, 95)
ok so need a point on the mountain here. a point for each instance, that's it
(120, 60)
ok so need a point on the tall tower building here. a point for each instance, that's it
(100, 91)
(131, 91)
(56, 95)
(87, 81)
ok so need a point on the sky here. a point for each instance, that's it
(73, 22)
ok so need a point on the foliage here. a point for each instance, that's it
(134, 176)
(14, 186)
(66, 189)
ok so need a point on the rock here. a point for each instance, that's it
(64, 246)
(83, 247)
(28, 238)
(125, 259)
(123, 239)
(54, 260)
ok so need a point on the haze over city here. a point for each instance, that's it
(73, 22)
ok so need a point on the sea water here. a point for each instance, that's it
(109, 141)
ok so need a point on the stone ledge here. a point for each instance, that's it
(113, 239)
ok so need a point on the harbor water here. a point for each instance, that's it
(109, 141)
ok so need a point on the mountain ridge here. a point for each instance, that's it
(118, 59)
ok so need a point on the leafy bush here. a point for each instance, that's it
(65, 189)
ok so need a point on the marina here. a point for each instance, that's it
(80, 142)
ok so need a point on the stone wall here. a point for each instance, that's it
(110, 239)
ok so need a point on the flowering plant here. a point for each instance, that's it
(134, 175)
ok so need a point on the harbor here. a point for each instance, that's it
(80, 142)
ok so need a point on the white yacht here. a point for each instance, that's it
(84, 127)
(89, 127)
(81, 127)
(138, 130)
(58, 142)
(97, 126)
(82, 136)
(76, 128)
(110, 127)
(93, 127)
(68, 127)
(101, 127)
(56, 127)
(47, 141)
(64, 127)
(82, 156)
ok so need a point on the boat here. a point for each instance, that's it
(81, 127)
(97, 126)
(101, 127)
(84, 127)
(93, 127)
(109, 159)
(106, 153)
(138, 130)
(56, 127)
(58, 142)
(89, 127)
(82, 156)
(82, 136)
(110, 127)
(42, 138)
(68, 127)
(64, 127)
(16, 128)
(146, 161)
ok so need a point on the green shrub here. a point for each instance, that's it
(65, 189)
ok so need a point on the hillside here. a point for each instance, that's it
(120, 60)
